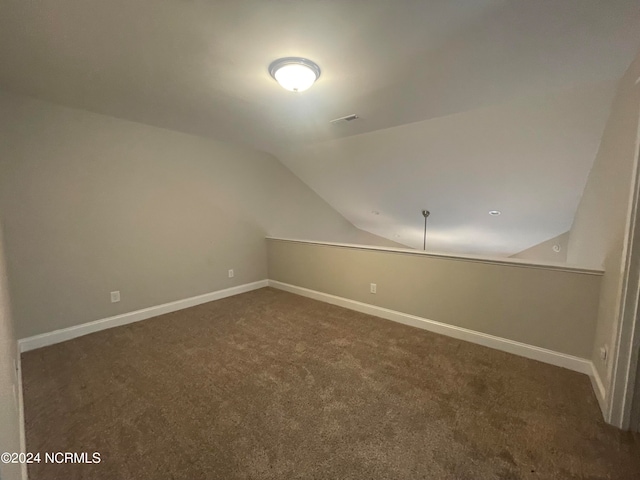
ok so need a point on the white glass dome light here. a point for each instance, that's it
(294, 74)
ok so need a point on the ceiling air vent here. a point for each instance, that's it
(348, 118)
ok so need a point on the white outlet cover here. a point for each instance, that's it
(373, 288)
(115, 296)
(231, 273)
(603, 353)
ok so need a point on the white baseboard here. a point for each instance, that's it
(510, 346)
(570, 362)
(598, 389)
(57, 336)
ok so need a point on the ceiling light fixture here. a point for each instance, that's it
(495, 213)
(294, 73)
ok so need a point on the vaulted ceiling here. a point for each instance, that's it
(464, 106)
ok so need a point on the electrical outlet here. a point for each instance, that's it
(603, 353)
(373, 288)
(231, 274)
(115, 296)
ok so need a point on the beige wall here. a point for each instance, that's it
(95, 204)
(548, 307)
(9, 416)
(598, 234)
(544, 252)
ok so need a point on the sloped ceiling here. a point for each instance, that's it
(464, 106)
(528, 159)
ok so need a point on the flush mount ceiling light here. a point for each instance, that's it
(495, 213)
(294, 73)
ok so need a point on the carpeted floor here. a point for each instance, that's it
(270, 385)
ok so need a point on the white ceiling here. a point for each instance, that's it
(528, 158)
(465, 106)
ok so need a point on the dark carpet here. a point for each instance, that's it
(270, 385)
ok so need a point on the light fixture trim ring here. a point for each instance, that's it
(281, 62)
